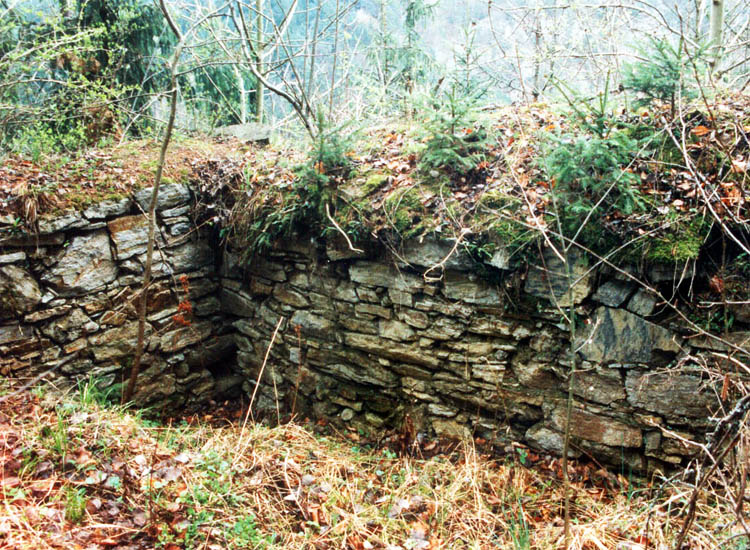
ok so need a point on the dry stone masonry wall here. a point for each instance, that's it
(364, 341)
(68, 299)
(368, 341)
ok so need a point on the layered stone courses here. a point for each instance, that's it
(367, 341)
(68, 300)
(363, 340)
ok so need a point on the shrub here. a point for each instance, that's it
(453, 140)
(588, 168)
(590, 178)
(328, 165)
(302, 202)
(328, 157)
(662, 76)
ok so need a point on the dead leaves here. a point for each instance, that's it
(190, 487)
(700, 131)
(89, 457)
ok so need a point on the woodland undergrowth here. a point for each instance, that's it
(78, 472)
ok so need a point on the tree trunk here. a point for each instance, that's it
(335, 59)
(243, 95)
(259, 49)
(411, 25)
(717, 26)
(313, 53)
(537, 57)
(383, 42)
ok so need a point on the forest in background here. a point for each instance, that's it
(74, 72)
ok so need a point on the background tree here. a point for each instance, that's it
(286, 60)
(717, 28)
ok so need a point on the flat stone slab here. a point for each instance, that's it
(12, 257)
(108, 209)
(458, 287)
(130, 235)
(19, 291)
(598, 429)
(170, 196)
(613, 293)
(725, 342)
(248, 132)
(14, 332)
(384, 275)
(116, 343)
(642, 303)
(618, 336)
(85, 265)
(548, 278)
(430, 252)
(70, 219)
(671, 394)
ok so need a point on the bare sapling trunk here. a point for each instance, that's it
(143, 298)
(569, 399)
(566, 257)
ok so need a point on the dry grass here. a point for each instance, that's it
(77, 474)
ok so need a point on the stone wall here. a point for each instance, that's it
(68, 299)
(362, 340)
(367, 341)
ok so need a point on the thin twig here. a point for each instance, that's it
(338, 227)
(36, 379)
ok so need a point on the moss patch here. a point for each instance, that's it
(372, 182)
(680, 244)
(497, 199)
(405, 211)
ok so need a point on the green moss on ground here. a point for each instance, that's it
(373, 181)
